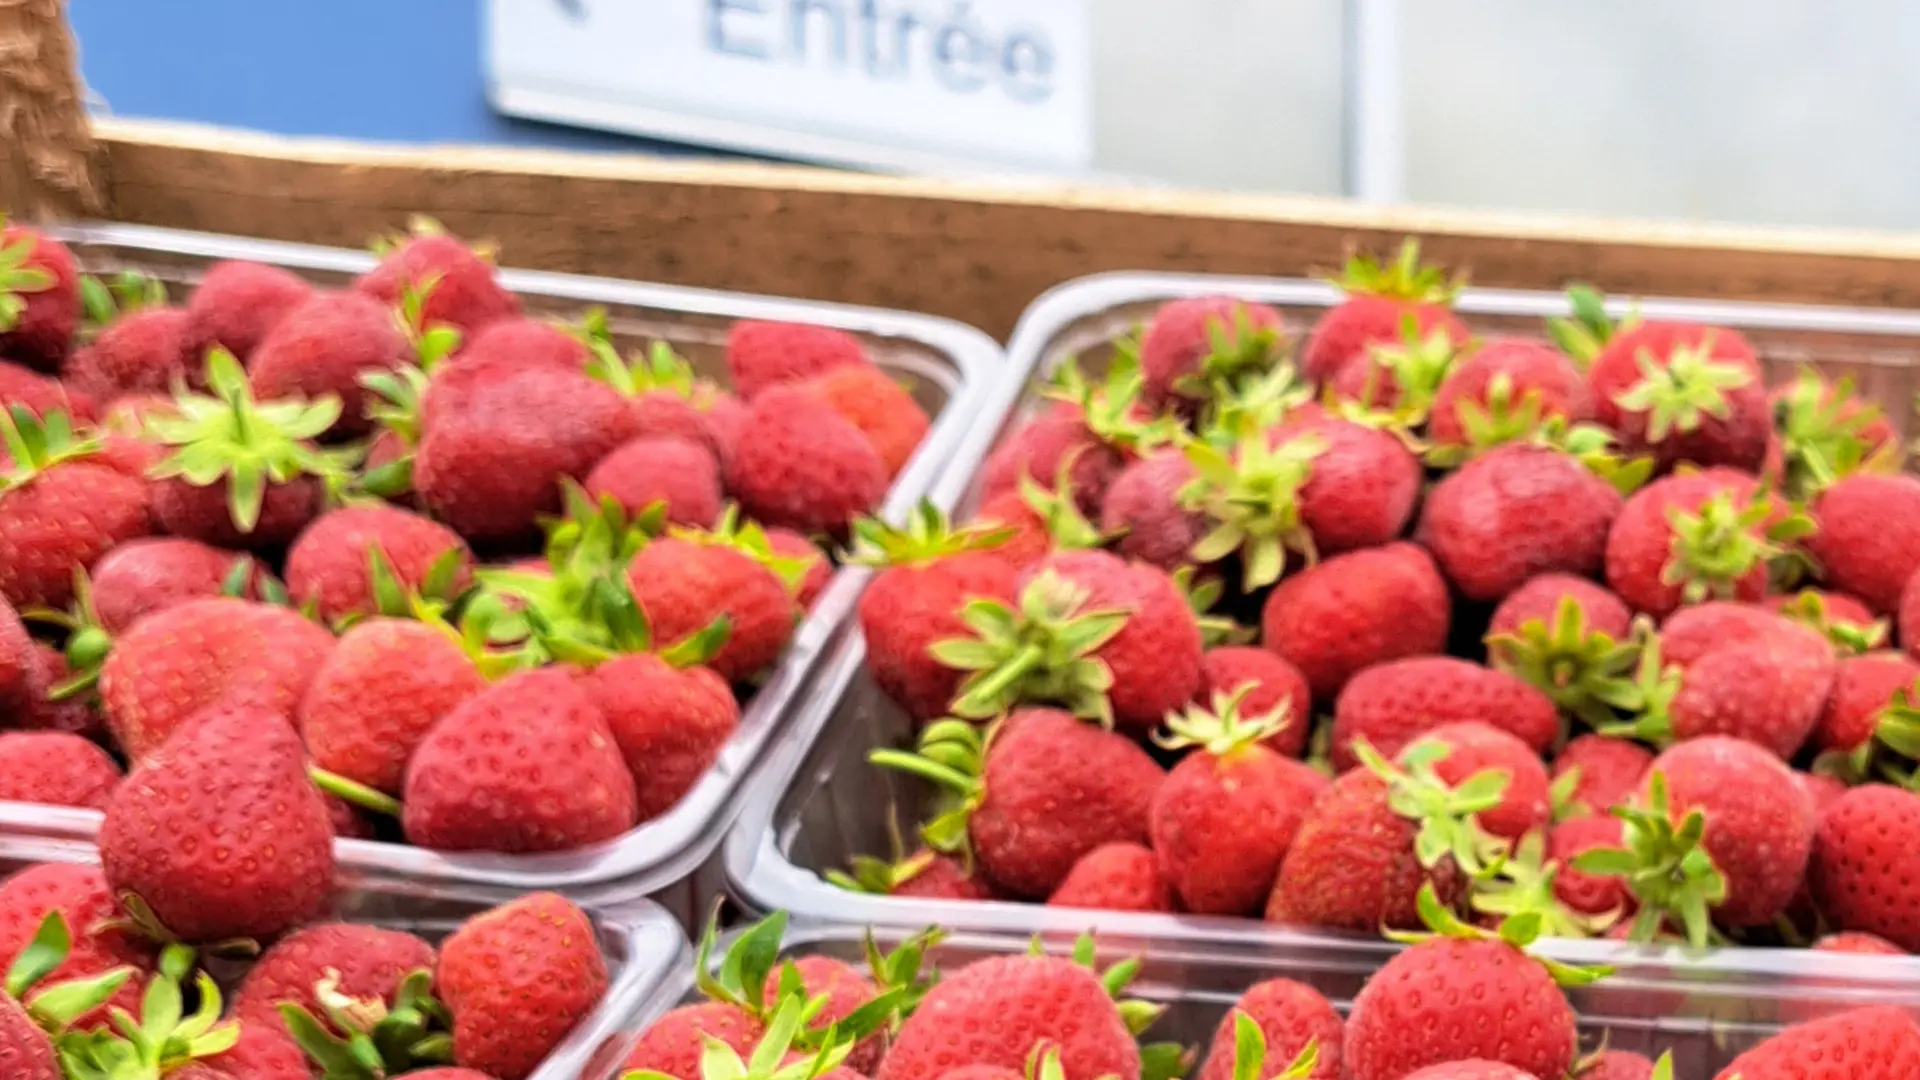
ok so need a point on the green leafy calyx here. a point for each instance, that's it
(1664, 866)
(1404, 278)
(927, 537)
(1582, 668)
(1220, 730)
(1043, 651)
(1679, 395)
(1251, 497)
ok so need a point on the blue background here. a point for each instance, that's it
(386, 70)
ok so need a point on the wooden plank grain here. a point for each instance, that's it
(975, 252)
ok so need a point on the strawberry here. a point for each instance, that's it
(1621, 1065)
(1380, 296)
(143, 352)
(1398, 380)
(491, 467)
(336, 564)
(206, 653)
(1856, 943)
(1730, 801)
(1144, 508)
(925, 873)
(1110, 640)
(17, 656)
(1228, 812)
(36, 1040)
(842, 990)
(1691, 536)
(680, 474)
(1194, 345)
(219, 833)
(1732, 670)
(1474, 747)
(378, 693)
(1362, 488)
(60, 508)
(234, 307)
(1515, 513)
(1037, 521)
(1584, 893)
(675, 1044)
(262, 1052)
(878, 407)
(1505, 391)
(997, 1011)
(1037, 792)
(1120, 876)
(799, 464)
(362, 962)
(1865, 852)
(517, 979)
(322, 349)
(1391, 704)
(928, 574)
(1381, 833)
(1356, 610)
(242, 473)
(1827, 433)
(57, 701)
(1474, 1069)
(1843, 620)
(502, 347)
(816, 569)
(762, 355)
(147, 575)
(667, 399)
(1289, 1016)
(1868, 543)
(55, 767)
(1683, 392)
(1865, 689)
(1570, 638)
(1460, 994)
(1042, 447)
(669, 722)
(457, 281)
(1869, 1043)
(1270, 682)
(39, 297)
(79, 893)
(685, 581)
(1609, 770)
(38, 394)
(466, 788)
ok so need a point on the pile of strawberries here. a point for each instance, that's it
(1595, 627)
(94, 992)
(497, 582)
(1460, 1003)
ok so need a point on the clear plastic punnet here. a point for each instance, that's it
(953, 371)
(817, 801)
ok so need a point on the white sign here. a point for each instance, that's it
(937, 86)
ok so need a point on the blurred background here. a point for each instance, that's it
(1758, 111)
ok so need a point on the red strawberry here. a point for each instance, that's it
(1042, 446)
(1195, 344)
(264, 1052)
(1610, 769)
(1568, 637)
(1503, 391)
(78, 714)
(1742, 671)
(1868, 543)
(669, 723)
(684, 583)
(1872, 1043)
(1845, 621)
(1864, 687)
(206, 653)
(817, 571)
(675, 1044)
(323, 348)
(147, 575)
(1515, 513)
(1356, 610)
(39, 395)
(219, 832)
(926, 873)
(1114, 877)
(1474, 1069)
(1273, 683)
(26, 1051)
(1121, 643)
(60, 508)
(1362, 487)
(330, 565)
(517, 979)
(761, 355)
(55, 767)
(1380, 297)
(1588, 894)
(1826, 433)
(458, 283)
(80, 894)
(999, 1010)
(39, 297)
(490, 468)
(1144, 508)
(679, 474)
(1037, 520)
(1909, 616)
(800, 465)
(1041, 790)
(1858, 944)
(1474, 747)
(877, 406)
(142, 352)
(362, 962)
(234, 307)
(16, 664)
(1684, 392)
(1289, 1015)
(1688, 537)
(242, 473)
(527, 765)
(1392, 704)
(842, 990)
(503, 347)
(1619, 1065)
(1460, 995)
(1866, 852)
(1228, 812)
(378, 693)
